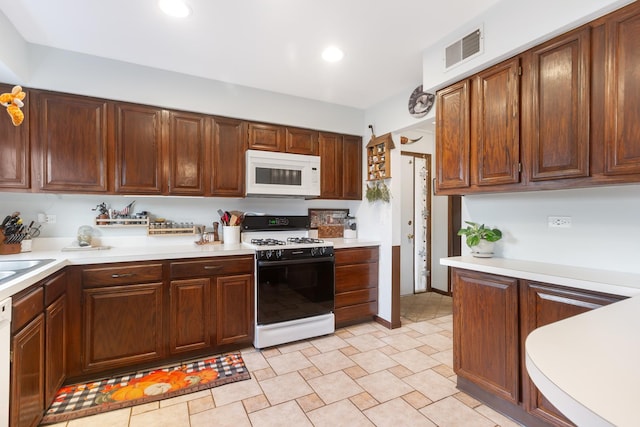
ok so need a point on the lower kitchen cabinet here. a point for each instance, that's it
(122, 316)
(211, 303)
(37, 349)
(492, 317)
(356, 285)
(545, 304)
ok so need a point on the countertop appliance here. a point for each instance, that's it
(275, 174)
(5, 359)
(295, 280)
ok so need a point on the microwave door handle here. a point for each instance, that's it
(295, 261)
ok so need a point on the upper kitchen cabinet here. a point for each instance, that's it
(340, 166)
(139, 159)
(189, 143)
(556, 99)
(228, 162)
(70, 139)
(16, 155)
(301, 141)
(352, 167)
(453, 137)
(266, 137)
(622, 92)
(495, 125)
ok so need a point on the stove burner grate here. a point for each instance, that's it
(303, 240)
(267, 242)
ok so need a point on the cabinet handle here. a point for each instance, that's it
(212, 267)
(117, 276)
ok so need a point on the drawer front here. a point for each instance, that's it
(356, 297)
(356, 312)
(356, 255)
(26, 308)
(355, 277)
(107, 276)
(211, 267)
(54, 288)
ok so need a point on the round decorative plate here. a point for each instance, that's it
(420, 102)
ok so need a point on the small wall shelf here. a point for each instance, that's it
(122, 222)
(379, 157)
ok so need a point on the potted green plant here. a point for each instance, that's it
(480, 239)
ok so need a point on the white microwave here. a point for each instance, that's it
(282, 174)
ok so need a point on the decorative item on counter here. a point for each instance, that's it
(85, 235)
(103, 213)
(350, 228)
(209, 237)
(480, 239)
(13, 102)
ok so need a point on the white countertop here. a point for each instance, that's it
(126, 250)
(588, 365)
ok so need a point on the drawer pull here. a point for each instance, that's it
(212, 267)
(117, 276)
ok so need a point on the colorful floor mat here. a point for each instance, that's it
(81, 400)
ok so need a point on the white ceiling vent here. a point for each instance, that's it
(463, 49)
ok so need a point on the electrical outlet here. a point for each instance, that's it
(559, 221)
(50, 219)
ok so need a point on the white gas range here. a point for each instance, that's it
(295, 277)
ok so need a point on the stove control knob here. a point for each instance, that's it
(269, 254)
(279, 254)
(317, 251)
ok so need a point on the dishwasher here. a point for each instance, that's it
(5, 362)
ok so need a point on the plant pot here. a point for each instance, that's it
(484, 249)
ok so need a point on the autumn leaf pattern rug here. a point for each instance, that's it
(81, 400)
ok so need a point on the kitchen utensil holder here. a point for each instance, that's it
(9, 248)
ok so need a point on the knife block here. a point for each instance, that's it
(8, 248)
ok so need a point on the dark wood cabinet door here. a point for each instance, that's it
(55, 344)
(69, 134)
(331, 173)
(266, 137)
(495, 134)
(453, 136)
(190, 320)
(622, 103)
(15, 161)
(351, 168)
(27, 374)
(138, 149)
(234, 309)
(558, 132)
(486, 332)
(228, 158)
(122, 325)
(301, 141)
(189, 139)
(545, 304)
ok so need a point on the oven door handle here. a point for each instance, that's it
(295, 261)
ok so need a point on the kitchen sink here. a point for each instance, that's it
(11, 269)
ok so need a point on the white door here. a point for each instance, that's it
(415, 246)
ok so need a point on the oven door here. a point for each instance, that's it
(294, 289)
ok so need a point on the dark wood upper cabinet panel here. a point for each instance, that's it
(351, 167)
(453, 136)
(229, 146)
(189, 138)
(559, 132)
(330, 149)
(15, 154)
(496, 130)
(266, 137)
(301, 141)
(622, 95)
(70, 133)
(138, 149)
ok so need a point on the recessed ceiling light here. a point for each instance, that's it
(175, 8)
(332, 54)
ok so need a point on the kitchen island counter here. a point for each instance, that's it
(585, 365)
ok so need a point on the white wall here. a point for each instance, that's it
(511, 27)
(604, 235)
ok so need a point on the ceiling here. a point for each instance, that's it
(273, 45)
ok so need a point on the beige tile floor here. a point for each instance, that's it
(363, 375)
